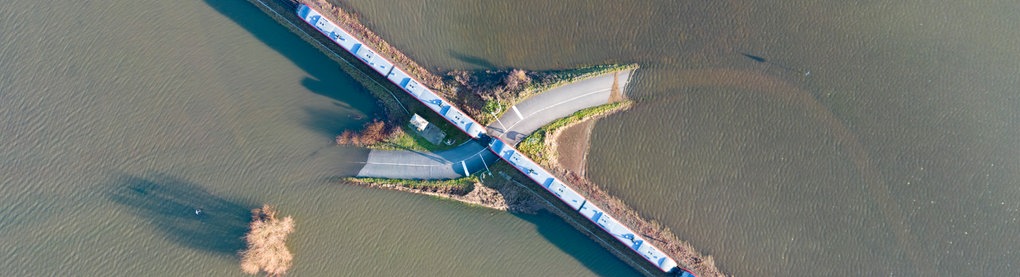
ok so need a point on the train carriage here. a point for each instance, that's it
(507, 152)
(400, 78)
(377, 63)
(392, 73)
(328, 28)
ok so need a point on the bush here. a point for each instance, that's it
(374, 132)
(267, 250)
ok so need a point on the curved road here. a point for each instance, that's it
(472, 156)
(515, 124)
(524, 118)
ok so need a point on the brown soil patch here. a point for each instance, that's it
(571, 146)
(568, 149)
(480, 195)
(616, 95)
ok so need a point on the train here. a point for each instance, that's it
(505, 151)
(589, 210)
(392, 73)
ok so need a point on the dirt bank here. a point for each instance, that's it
(479, 195)
(568, 148)
(571, 146)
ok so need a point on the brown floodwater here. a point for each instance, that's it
(898, 155)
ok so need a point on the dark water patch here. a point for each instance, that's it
(472, 60)
(344, 94)
(325, 78)
(577, 245)
(185, 212)
(330, 122)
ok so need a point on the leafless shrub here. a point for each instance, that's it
(517, 79)
(374, 132)
(267, 249)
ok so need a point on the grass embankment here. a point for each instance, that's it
(479, 94)
(486, 94)
(459, 186)
(468, 190)
(335, 11)
(351, 22)
(382, 136)
(404, 138)
(398, 104)
(536, 144)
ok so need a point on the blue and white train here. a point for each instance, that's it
(507, 152)
(588, 209)
(391, 72)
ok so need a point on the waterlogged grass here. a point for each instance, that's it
(463, 184)
(534, 145)
(406, 138)
(402, 140)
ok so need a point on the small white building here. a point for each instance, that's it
(419, 123)
(427, 130)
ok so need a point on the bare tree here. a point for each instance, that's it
(267, 249)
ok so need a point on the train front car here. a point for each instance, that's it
(328, 28)
(389, 70)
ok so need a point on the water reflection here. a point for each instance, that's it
(185, 212)
(324, 78)
(576, 244)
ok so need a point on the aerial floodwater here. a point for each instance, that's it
(899, 154)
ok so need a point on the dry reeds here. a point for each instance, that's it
(267, 250)
(374, 132)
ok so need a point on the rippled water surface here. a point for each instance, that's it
(897, 155)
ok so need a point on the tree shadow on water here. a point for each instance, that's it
(325, 78)
(472, 60)
(185, 212)
(581, 247)
(330, 122)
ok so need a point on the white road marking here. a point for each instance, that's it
(403, 164)
(549, 107)
(483, 161)
(462, 163)
(518, 112)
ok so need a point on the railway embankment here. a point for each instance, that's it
(466, 190)
(469, 91)
(547, 144)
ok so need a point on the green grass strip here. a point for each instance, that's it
(534, 145)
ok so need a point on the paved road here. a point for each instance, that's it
(537, 111)
(521, 120)
(471, 156)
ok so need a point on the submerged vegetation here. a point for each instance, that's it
(267, 249)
